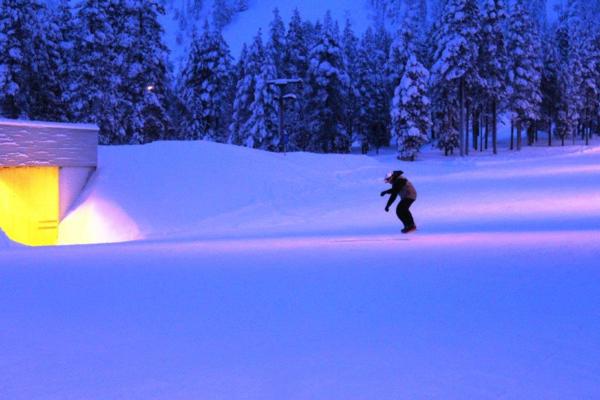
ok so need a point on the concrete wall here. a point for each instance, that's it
(72, 181)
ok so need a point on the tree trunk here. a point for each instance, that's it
(550, 133)
(481, 124)
(531, 135)
(519, 135)
(487, 131)
(281, 146)
(494, 128)
(512, 134)
(461, 138)
(476, 125)
(587, 135)
(467, 131)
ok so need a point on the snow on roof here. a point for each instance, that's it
(46, 124)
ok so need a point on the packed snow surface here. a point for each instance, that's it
(242, 274)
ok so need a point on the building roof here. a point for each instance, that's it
(38, 143)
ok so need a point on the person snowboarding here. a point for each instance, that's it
(401, 186)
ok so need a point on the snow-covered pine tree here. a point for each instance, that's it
(436, 8)
(145, 79)
(47, 82)
(296, 51)
(423, 14)
(97, 69)
(63, 19)
(403, 44)
(578, 71)
(524, 69)
(585, 42)
(277, 42)
(327, 88)
(595, 47)
(245, 90)
(238, 69)
(431, 39)
(410, 113)
(192, 127)
(296, 66)
(549, 84)
(564, 110)
(19, 34)
(374, 102)
(538, 9)
(206, 85)
(313, 33)
(475, 85)
(455, 70)
(239, 74)
(493, 61)
(261, 128)
(350, 50)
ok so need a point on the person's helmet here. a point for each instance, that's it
(392, 175)
(388, 177)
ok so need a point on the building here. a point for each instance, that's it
(44, 167)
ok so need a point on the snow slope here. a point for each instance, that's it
(205, 190)
(259, 15)
(262, 276)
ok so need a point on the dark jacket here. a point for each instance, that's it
(403, 188)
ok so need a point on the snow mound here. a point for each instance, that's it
(207, 190)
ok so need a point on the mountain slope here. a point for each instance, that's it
(181, 19)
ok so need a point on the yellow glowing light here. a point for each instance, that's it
(29, 204)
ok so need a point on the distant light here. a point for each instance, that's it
(150, 88)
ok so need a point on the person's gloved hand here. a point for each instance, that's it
(387, 209)
(382, 194)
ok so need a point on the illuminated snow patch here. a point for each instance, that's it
(98, 221)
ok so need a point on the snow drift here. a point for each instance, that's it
(203, 189)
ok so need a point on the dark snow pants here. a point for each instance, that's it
(403, 212)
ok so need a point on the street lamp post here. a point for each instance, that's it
(283, 84)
